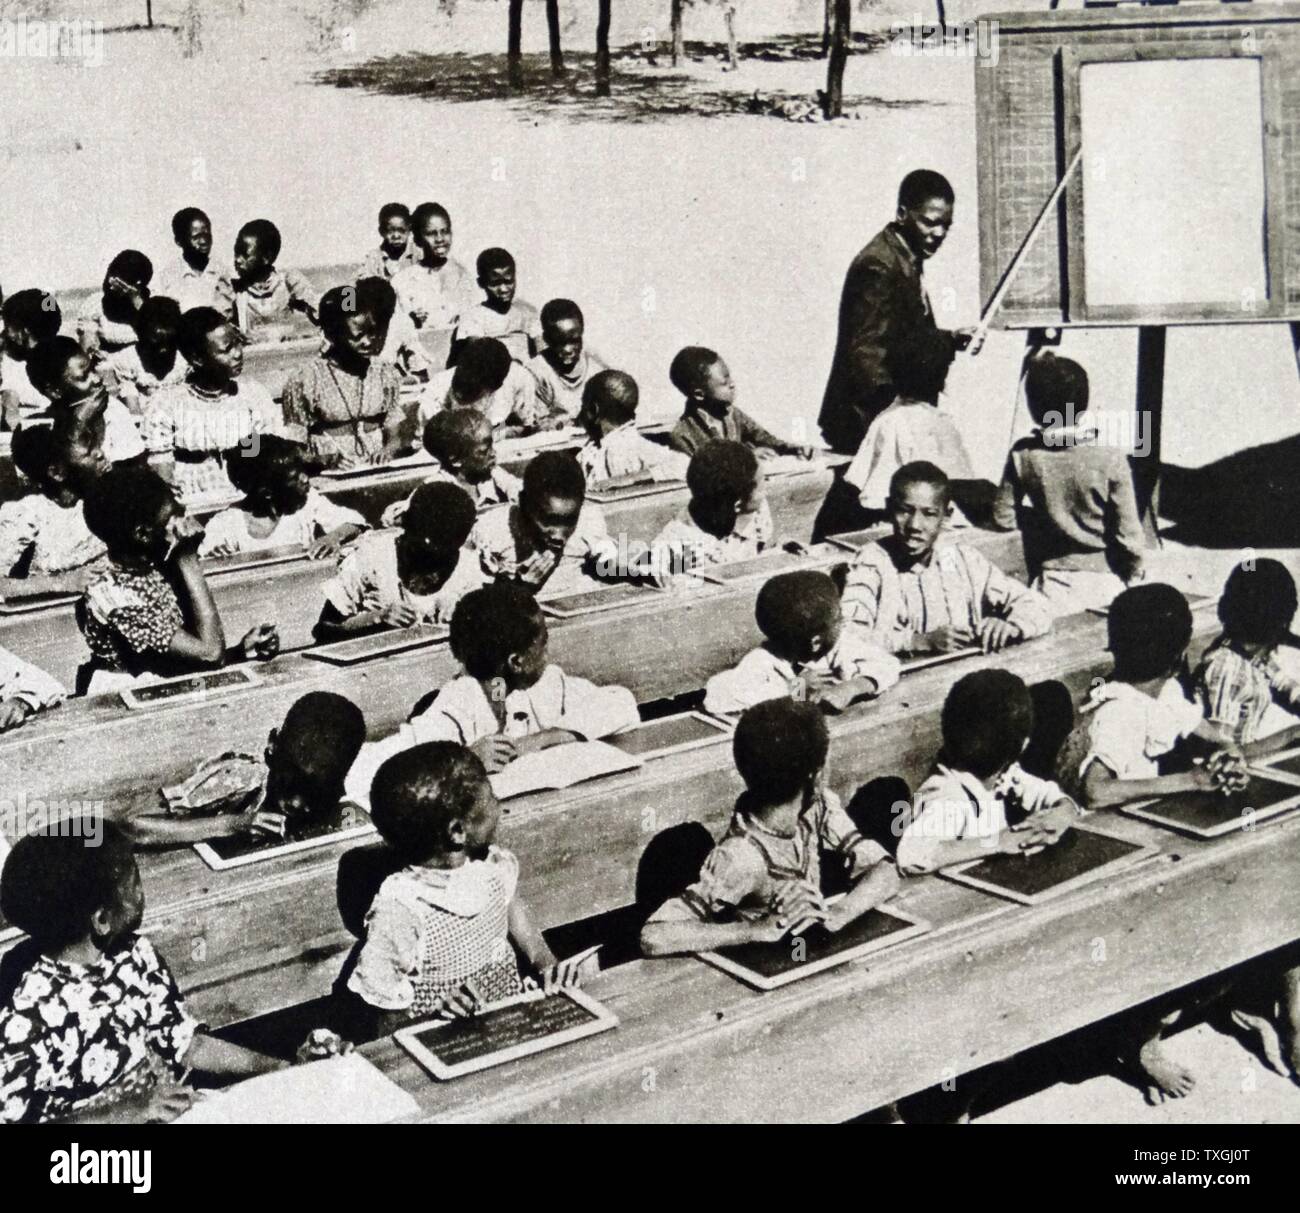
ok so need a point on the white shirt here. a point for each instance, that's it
(20, 679)
(500, 488)
(367, 580)
(517, 398)
(625, 452)
(227, 532)
(502, 548)
(1128, 730)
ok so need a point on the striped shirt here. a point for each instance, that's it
(1236, 690)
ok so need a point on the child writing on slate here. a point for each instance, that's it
(807, 655)
(135, 372)
(978, 800)
(510, 700)
(194, 429)
(464, 453)
(616, 452)
(268, 299)
(564, 365)
(763, 881)
(915, 593)
(1083, 537)
(294, 790)
(97, 1030)
(554, 539)
(396, 579)
(726, 519)
(1140, 715)
(439, 934)
(499, 314)
(280, 508)
(703, 378)
(150, 613)
(30, 317)
(395, 251)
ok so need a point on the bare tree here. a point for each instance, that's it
(675, 22)
(553, 32)
(828, 10)
(729, 16)
(833, 105)
(602, 49)
(514, 44)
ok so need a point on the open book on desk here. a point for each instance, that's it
(559, 767)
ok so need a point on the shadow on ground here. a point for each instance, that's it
(644, 87)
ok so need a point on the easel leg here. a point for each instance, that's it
(1150, 400)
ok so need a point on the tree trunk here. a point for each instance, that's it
(514, 45)
(553, 31)
(602, 49)
(679, 42)
(834, 103)
(828, 8)
(148, 13)
(730, 17)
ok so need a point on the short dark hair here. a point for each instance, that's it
(374, 296)
(52, 883)
(792, 608)
(155, 310)
(1257, 605)
(918, 365)
(447, 435)
(922, 184)
(690, 368)
(48, 361)
(124, 498)
(1055, 385)
(196, 325)
(482, 364)
(183, 218)
(271, 462)
(1149, 627)
(555, 310)
(33, 310)
(722, 471)
(779, 747)
(919, 471)
(987, 718)
(266, 234)
(491, 624)
(322, 734)
(32, 451)
(554, 474)
(442, 514)
(613, 395)
(426, 211)
(132, 266)
(394, 210)
(493, 259)
(417, 793)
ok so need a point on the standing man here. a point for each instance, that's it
(884, 301)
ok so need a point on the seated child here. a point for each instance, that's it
(486, 378)
(192, 430)
(762, 882)
(267, 299)
(97, 1028)
(563, 366)
(346, 402)
(150, 613)
(395, 251)
(65, 374)
(978, 800)
(395, 579)
(727, 518)
(135, 372)
(554, 537)
(913, 427)
(1239, 678)
(107, 321)
(499, 315)
(703, 378)
(616, 452)
(439, 934)
(1082, 534)
(30, 318)
(24, 691)
(44, 532)
(510, 700)
(464, 453)
(1140, 714)
(194, 279)
(294, 791)
(280, 508)
(917, 594)
(808, 655)
(434, 290)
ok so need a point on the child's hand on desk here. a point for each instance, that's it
(327, 547)
(320, 1044)
(13, 712)
(538, 567)
(1227, 769)
(460, 1003)
(261, 643)
(835, 698)
(167, 1101)
(257, 820)
(397, 615)
(1047, 825)
(947, 639)
(996, 634)
(799, 907)
(495, 752)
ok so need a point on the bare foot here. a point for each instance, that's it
(1161, 1076)
(1263, 1036)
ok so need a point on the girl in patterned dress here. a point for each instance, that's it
(442, 933)
(346, 402)
(193, 429)
(150, 613)
(96, 1029)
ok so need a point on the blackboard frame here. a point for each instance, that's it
(222, 863)
(623, 593)
(1149, 811)
(140, 699)
(721, 730)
